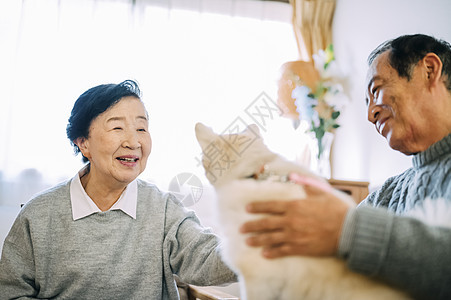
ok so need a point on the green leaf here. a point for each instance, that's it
(335, 115)
(330, 56)
(330, 48)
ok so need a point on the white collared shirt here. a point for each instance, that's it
(83, 206)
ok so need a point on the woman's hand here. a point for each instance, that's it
(310, 226)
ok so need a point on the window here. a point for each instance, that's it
(195, 61)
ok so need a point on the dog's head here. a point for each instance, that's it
(232, 156)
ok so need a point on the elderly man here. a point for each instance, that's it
(409, 101)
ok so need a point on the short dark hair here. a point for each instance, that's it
(407, 50)
(92, 103)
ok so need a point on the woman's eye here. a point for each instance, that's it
(117, 128)
(142, 130)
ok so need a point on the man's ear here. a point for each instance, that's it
(82, 144)
(433, 66)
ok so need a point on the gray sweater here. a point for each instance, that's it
(378, 240)
(107, 255)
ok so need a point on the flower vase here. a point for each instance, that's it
(320, 161)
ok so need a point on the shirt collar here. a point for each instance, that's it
(436, 150)
(83, 206)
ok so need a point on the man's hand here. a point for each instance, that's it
(311, 226)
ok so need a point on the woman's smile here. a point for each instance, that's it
(128, 160)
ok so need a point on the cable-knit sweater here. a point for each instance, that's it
(379, 240)
(107, 255)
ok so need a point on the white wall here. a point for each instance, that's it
(360, 26)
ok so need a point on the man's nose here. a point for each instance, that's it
(373, 112)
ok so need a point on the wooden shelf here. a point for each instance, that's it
(357, 189)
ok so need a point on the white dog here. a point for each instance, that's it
(232, 164)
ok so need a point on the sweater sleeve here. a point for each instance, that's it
(17, 277)
(194, 249)
(402, 251)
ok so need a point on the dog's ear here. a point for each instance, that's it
(253, 129)
(205, 135)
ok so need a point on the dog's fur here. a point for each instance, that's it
(229, 170)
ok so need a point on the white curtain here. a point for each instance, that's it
(196, 61)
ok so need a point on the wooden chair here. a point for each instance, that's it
(208, 293)
(194, 292)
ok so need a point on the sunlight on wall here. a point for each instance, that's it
(193, 65)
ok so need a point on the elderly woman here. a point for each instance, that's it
(105, 234)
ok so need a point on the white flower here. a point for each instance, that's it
(319, 60)
(331, 71)
(321, 108)
(304, 103)
(335, 96)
